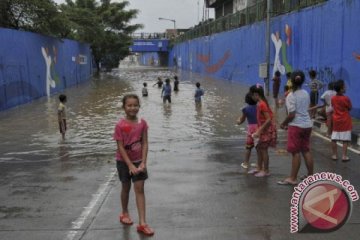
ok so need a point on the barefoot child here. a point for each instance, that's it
(249, 114)
(131, 135)
(342, 122)
(266, 132)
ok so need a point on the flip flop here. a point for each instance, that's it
(125, 219)
(145, 229)
(244, 165)
(253, 171)
(286, 182)
(346, 159)
(334, 158)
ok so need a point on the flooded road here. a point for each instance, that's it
(196, 190)
(45, 183)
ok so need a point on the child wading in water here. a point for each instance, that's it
(166, 91)
(342, 123)
(198, 93)
(249, 114)
(266, 132)
(62, 115)
(145, 90)
(131, 135)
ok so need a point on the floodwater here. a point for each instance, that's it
(29, 133)
(45, 183)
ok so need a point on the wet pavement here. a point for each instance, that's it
(196, 189)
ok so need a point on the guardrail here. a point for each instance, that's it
(244, 17)
(153, 35)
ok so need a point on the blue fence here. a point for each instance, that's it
(33, 66)
(325, 38)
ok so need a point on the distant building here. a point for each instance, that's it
(222, 7)
(225, 7)
(171, 33)
(239, 5)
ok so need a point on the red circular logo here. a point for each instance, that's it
(326, 207)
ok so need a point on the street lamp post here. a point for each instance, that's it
(172, 20)
(267, 46)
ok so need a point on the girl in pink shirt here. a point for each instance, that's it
(266, 132)
(131, 135)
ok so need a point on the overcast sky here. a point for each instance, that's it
(185, 12)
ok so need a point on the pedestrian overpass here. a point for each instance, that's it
(149, 45)
(151, 49)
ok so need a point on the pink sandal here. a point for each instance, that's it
(125, 219)
(145, 229)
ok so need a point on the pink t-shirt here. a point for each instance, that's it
(130, 134)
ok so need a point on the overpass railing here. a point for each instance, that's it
(244, 17)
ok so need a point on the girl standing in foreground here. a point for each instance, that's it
(266, 132)
(342, 123)
(131, 135)
(249, 114)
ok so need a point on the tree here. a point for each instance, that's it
(105, 26)
(39, 16)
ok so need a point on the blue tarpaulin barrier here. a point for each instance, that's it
(324, 37)
(34, 65)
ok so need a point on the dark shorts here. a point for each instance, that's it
(124, 175)
(314, 98)
(298, 139)
(62, 126)
(167, 98)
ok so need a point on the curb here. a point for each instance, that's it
(322, 128)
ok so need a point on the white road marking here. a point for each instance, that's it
(339, 144)
(78, 223)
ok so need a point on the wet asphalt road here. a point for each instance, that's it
(196, 190)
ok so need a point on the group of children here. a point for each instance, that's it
(131, 135)
(167, 90)
(261, 129)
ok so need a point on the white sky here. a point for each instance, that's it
(186, 13)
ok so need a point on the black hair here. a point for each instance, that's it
(331, 85)
(277, 74)
(249, 100)
(176, 77)
(288, 74)
(62, 98)
(297, 79)
(145, 84)
(197, 84)
(339, 85)
(286, 88)
(312, 73)
(167, 80)
(259, 90)
(127, 96)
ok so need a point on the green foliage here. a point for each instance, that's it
(103, 24)
(39, 16)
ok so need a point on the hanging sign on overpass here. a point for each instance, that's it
(150, 45)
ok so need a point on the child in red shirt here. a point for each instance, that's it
(266, 132)
(342, 124)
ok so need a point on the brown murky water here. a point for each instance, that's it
(29, 133)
